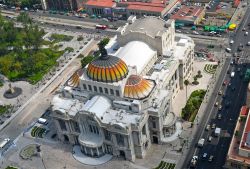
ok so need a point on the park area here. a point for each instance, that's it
(165, 165)
(9, 167)
(23, 55)
(4, 109)
(193, 104)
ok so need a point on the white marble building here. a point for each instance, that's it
(121, 103)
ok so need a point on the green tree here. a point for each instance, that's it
(103, 43)
(86, 60)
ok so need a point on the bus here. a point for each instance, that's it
(103, 27)
(4, 142)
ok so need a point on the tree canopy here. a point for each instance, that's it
(21, 55)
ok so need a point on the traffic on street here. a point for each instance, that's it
(211, 147)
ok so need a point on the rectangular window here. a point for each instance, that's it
(120, 139)
(100, 89)
(107, 135)
(62, 124)
(76, 126)
(117, 93)
(90, 128)
(154, 124)
(144, 129)
(95, 88)
(84, 86)
(90, 87)
(111, 91)
(106, 90)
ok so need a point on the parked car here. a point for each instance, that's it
(208, 127)
(211, 158)
(204, 156)
(220, 107)
(216, 104)
(220, 92)
(209, 138)
(219, 116)
(213, 126)
(227, 104)
(225, 83)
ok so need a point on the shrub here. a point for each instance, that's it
(60, 37)
(193, 104)
(86, 60)
(79, 38)
(69, 49)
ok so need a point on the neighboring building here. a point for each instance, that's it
(120, 103)
(123, 9)
(238, 156)
(61, 5)
(191, 15)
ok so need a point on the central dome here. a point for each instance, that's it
(107, 69)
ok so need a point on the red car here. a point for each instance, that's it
(225, 83)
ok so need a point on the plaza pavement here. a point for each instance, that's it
(180, 100)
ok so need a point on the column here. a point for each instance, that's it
(103, 149)
(98, 153)
(92, 154)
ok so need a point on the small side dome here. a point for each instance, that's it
(74, 80)
(107, 69)
(138, 88)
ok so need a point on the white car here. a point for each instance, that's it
(248, 43)
(246, 33)
(195, 32)
(231, 41)
(179, 31)
(228, 50)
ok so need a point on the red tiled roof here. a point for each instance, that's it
(187, 13)
(244, 111)
(100, 3)
(154, 5)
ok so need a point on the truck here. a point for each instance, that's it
(4, 143)
(232, 74)
(217, 131)
(201, 142)
(193, 162)
(247, 75)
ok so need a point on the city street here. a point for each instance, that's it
(218, 146)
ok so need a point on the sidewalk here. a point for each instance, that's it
(239, 12)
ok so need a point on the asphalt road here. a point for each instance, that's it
(218, 147)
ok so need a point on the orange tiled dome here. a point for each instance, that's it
(138, 88)
(107, 69)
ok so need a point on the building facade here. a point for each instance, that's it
(238, 156)
(120, 103)
(61, 5)
(124, 9)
